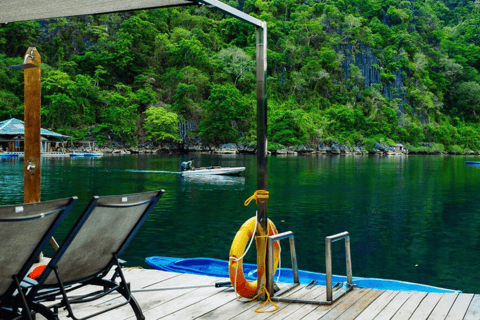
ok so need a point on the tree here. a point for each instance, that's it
(283, 128)
(237, 62)
(469, 96)
(161, 125)
(11, 89)
(119, 115)
(227, 113)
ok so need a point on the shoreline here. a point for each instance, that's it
(127, 151)
(330, 148)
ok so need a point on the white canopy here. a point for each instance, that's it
(25, 10)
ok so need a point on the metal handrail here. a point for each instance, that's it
(293, 255)
(328, 262)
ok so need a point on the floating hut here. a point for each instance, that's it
(12, 137)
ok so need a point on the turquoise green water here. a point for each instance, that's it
(414, 218)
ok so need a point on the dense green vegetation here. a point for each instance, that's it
(353, 71)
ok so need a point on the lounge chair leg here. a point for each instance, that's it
(25, 308)
(44, 311)
(64, 293)
(124, 290)
(133, 303)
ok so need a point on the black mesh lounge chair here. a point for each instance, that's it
(24, 231)
(89, 251)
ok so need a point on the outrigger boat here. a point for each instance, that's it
(219, 268)
(229, 171)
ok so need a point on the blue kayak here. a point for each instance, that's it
(472, 163)
(9, 155)
(219, 268)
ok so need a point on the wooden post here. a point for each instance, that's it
(262, 181)
(32, 143)
(31, 171)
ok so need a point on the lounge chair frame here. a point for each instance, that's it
(47, 292)
(14, 297)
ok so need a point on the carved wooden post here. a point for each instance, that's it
(32, 143)
(31, 171)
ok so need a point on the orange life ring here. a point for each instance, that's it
(235, 268)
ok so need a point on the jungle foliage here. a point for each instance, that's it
(345, 70)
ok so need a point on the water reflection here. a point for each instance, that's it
(152, 171)
(210, 182)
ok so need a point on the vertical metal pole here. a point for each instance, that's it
(349, 261)
(270, 265)
(262, 183)
(31, 171)
(328, 265)
(293, 255)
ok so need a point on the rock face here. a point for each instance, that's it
(365, 60)
(229, 148)
(334, 147)
(328, 148)
(369, 65)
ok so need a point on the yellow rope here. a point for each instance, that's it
(259, 196)
(263, 289)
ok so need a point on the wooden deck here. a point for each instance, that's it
(220, 303)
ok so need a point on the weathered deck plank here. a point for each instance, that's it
(138, 279)
(377, 306)
(460, 307)
(393, 306)
(316, 293)
(147, 300)
(338, 307)
(220, 303)
(185, 299)
(409, 307)
(231, 309)
(206, 309)
(443, 307)
(426, 307)
(202, 306)
(360, 305)
(299, 293)
(243, 308)
(473, 311)
(305, 309)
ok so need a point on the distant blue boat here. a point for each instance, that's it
(219, 268)
(86, 154)
(8, 155)
(472, 163)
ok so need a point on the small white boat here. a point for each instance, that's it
(229, 171)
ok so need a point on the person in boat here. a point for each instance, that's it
(187, 165)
